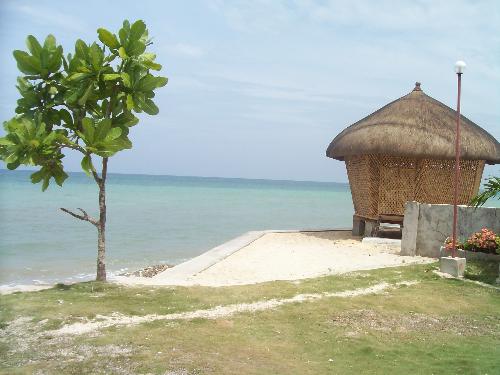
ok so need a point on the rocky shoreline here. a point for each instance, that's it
(149, 271)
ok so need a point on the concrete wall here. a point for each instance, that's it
(426, 226)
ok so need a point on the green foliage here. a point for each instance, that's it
(482, 270)
(491, 190)
(85, 101)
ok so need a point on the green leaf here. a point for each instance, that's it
(13, 165)
(96, 56)
(66, 117)
(50, 43)
(11, 158)
(33, 45)
(88, 130)
(26, 63)
(161, 81)
(125, 120)
(60, 176)
(46, 182)
(122, 53)
(85, 96)
(150, 107)
(113, 134)
(37, 176)
(152, 65)
(148, 56)
(102, 129)
(139, 98)
(149, 82)
(124, 32)
(5, 142)
(111, 77)
(81, 50)
(108, 38)
(136, 30)
(78, 76)
(135, 48)
(130, 102)
(55, 60)
(65, 63)
(87, 165)
(44, 58)
(126, 80)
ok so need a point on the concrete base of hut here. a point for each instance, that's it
(452, 266)
(364, 227)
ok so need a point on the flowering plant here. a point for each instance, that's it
(448, 244)
(485, 241)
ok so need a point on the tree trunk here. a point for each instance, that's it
(101, 227)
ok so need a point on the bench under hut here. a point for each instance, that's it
(405, 151)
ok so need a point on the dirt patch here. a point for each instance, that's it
(359, 322)
(27, 338)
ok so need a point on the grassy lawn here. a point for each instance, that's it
(436, 326)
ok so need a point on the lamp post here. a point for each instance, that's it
(459, 69)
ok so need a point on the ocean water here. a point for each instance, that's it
(151, 220)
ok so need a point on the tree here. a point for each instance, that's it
(491, 190)
(84, 103)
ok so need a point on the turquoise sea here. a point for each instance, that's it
(151, 220)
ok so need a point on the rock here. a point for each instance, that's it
(149, 271)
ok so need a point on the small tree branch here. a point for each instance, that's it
(104, 172)
(96, 176)
(76, 148)
(84, 216)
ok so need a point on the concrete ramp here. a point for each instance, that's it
(209, 258)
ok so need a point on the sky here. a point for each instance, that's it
(258, 89)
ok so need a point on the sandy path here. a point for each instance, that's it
(289, 256)
(101, 322)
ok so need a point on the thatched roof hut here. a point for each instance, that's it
(406, 151)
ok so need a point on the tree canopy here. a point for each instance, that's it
(85, 101)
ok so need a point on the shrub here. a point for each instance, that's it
(485, 241)
(448, 244)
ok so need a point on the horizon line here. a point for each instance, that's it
(207, 177)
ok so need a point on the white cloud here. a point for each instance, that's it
(251, 16)
(53, 17)
(186, 50)
(380, 15)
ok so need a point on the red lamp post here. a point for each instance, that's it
(459, 69)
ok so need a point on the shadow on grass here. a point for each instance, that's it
(481, 270)
(86, 286)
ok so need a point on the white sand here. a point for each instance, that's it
(290, 256)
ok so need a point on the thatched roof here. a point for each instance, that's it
(417, 126)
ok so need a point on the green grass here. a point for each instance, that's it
(438, 326)
(480, 270)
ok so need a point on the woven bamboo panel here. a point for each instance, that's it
(397, 177)
(435, 182)
(364, 184)
(382, 184)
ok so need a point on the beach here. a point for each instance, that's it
(265, 256)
